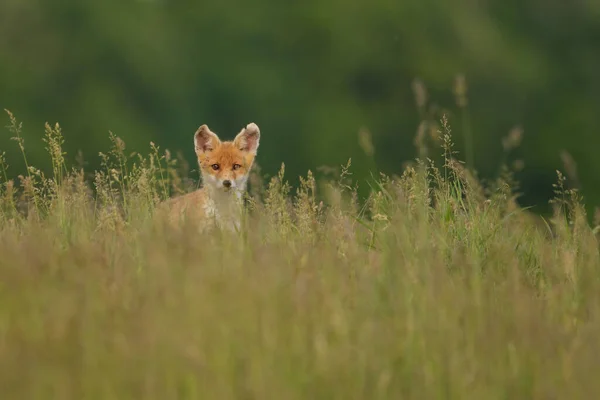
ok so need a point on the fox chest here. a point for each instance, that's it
(225, 212)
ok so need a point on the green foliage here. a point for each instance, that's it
(436, 286)
(312, 74)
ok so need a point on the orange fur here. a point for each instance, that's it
(224, 168)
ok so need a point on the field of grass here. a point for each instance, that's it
(434, 287)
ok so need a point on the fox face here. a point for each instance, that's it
(225, 165)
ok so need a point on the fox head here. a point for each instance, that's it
(225, 165)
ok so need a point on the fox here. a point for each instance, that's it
(225, 167)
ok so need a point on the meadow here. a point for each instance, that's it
(437, 285)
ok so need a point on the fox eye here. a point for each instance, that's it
(215, 166)
(236, 166)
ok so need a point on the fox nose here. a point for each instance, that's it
(227, 183)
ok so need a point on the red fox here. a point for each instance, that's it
(224, 168)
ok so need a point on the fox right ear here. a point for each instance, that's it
(205, 140)
(248, 139)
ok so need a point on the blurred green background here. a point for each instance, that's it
(311, 74)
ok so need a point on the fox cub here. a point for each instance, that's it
(224, 169)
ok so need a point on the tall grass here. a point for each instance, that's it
(433, 287)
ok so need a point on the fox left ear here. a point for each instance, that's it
(205, 140)
(248, 139)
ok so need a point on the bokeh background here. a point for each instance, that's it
(311, 74)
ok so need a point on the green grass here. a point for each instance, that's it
(435, 287)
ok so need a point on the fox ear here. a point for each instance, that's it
(205, 140)
(248, 139)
